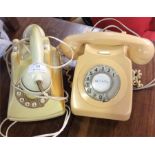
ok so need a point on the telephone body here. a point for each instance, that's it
(28, 67)
(102, 84)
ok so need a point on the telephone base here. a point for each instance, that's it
(102, 87)
(12, 118)
(99, 113)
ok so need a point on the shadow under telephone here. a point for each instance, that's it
(102, 85)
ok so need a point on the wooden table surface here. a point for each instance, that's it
(141, 123)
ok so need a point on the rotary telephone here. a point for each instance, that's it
(36, 88)
(31, 74)
(102, 84)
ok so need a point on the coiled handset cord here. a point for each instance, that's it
(45, 95)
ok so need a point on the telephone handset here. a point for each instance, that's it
(30, 77)
(102, 84)
(140, 50)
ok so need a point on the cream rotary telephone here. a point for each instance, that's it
(30, 74)
(36, 89)
(102, 84)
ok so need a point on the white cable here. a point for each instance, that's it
(1, 125)
(105, 19)
(150, 82)
(59, 98)
(145, 87)
(28, 50)
(148, 85)
(68, 113)
(112, 26)
(9, 127)
(67, 117)
(5, 57)
(67, 63)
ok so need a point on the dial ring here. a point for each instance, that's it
(27, 102)
(112, 80)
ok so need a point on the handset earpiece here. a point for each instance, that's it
(28, 30)
(142, 52)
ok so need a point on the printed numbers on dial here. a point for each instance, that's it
(28, 102)
(102, 83)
